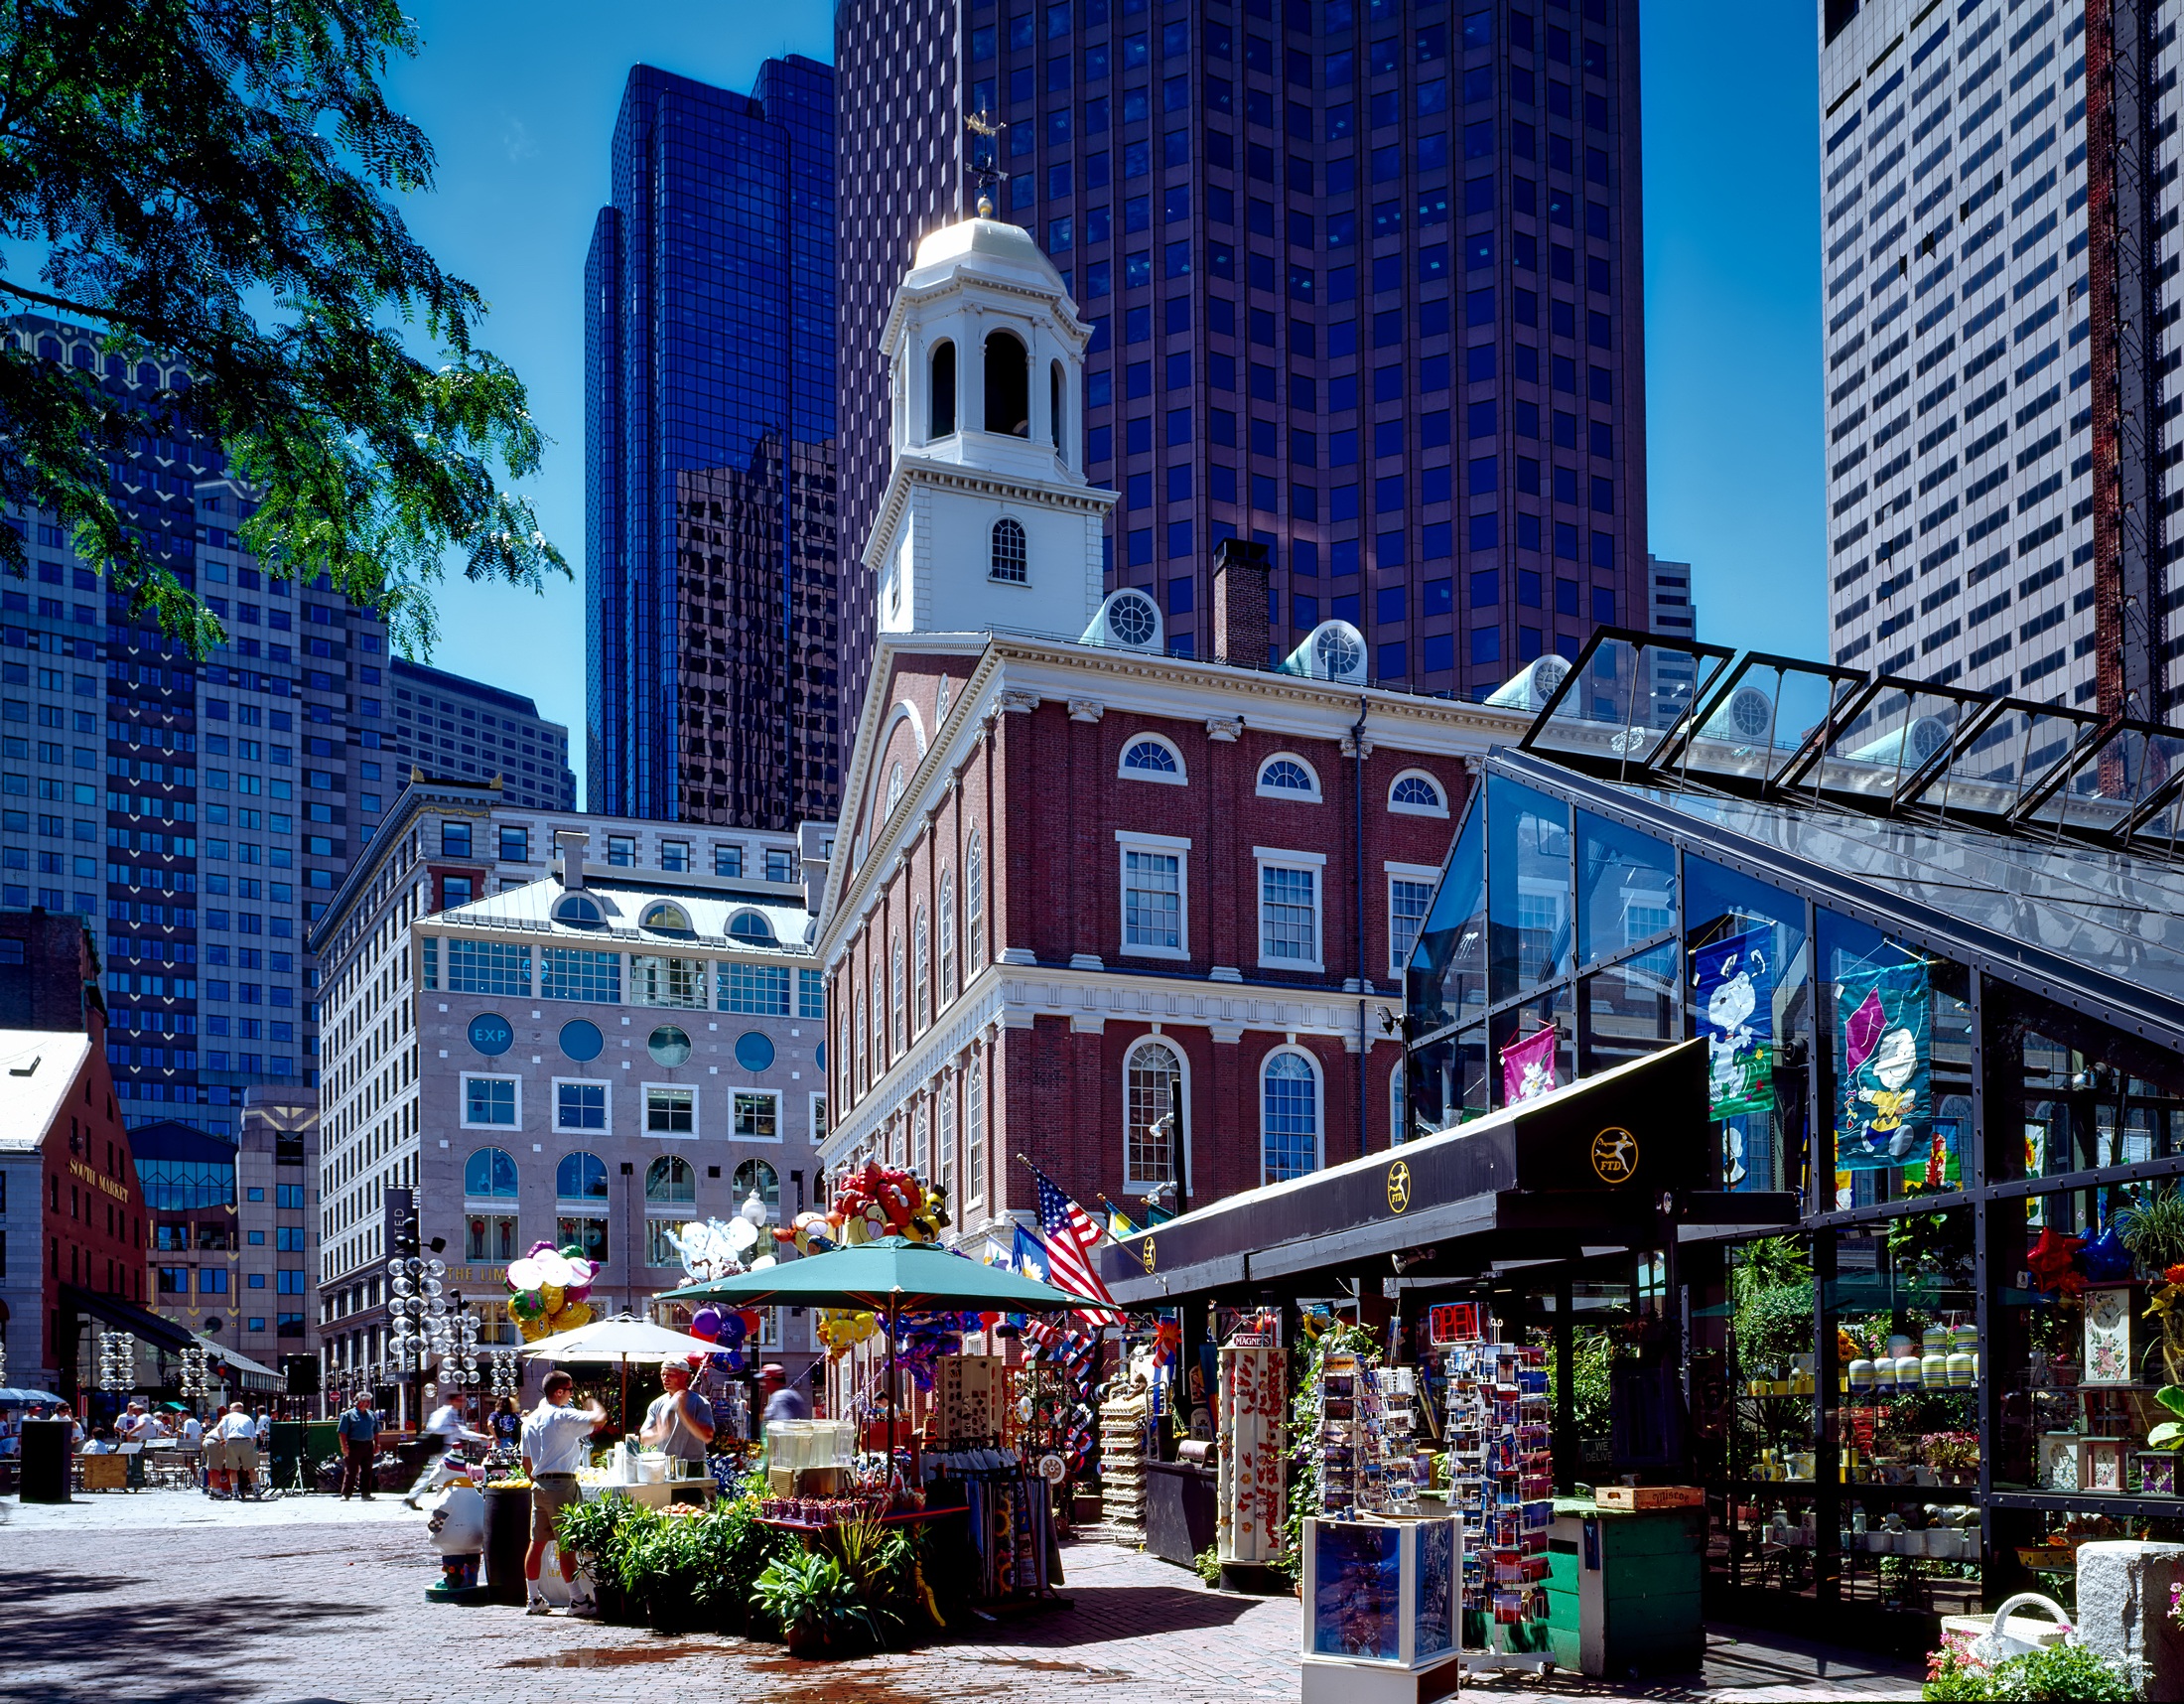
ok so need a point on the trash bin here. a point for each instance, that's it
(507, 1538)
(48, 1463)
(1623, 1588)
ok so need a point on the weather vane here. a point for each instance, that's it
(988, 128)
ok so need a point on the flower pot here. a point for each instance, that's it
(807, 1640)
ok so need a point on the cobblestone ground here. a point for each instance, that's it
(161, 1598)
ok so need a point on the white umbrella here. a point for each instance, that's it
(623, 1339)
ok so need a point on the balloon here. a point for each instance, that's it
(582, 1272)
(533, 1329)
(728, 1328)
(754, 1210)
(524, 1305)
(763, 1262)
(706, 1324)
(719, 1360)
(552, 1298)
(742, 1235)
(751, 1321)
(571, 1252)
(524, 1274)
(554, 1270)
(538, 1248)
(574, 1314)
(735, 1360)
(578, 1291)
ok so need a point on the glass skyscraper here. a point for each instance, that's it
(207, 810)
(709, 384)
(1364, 279)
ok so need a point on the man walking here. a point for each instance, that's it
(556, 1439)
(445, 1433)
(240, 1434)
(783, 1402)
(358, 1429)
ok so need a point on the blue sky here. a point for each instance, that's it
(520, 103)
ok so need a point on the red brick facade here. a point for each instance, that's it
(1037, 1002)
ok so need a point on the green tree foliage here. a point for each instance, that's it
(209, 181)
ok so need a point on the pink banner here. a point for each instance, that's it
(1528, 1067)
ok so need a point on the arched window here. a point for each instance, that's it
(489, 1174)
(1054, 402)
(947, 936)
(1009, 560)
(751, 926)
(896, 783)
(974, 1135)
(1288, 1117)
(1153, 1100)
(898, 1001)
(864, 1071)
(1150, 758)
(944, 1120)
(1399, 1105)
(974, 908)
(1008, 385)
(943, 398)
(921, 966)
(846, 1053)
(580, 1176)
(757, 1174)
(1416, 793)
(1284, 775)
(665, 919)
(579, 910)
(670, 1180)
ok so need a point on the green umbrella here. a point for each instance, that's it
(890, 1275)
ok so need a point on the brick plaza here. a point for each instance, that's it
(165, 1597)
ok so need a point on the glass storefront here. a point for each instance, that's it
(1932, 944)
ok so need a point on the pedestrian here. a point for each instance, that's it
(264, 1430)
(358, 1429)
(507, 1426)
(445, 1434)
(135, 1425)
(192, 1431)
(680, 1421)
(240, 1434)
(556, 1443)
(783, 1402)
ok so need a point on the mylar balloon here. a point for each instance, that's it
(554, 1270)
(524, 1274)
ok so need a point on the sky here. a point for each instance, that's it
(519, 101)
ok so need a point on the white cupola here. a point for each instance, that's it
(987, 521)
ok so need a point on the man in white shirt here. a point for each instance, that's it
(556, 1440)
(680, 1421)
(445, 1430)
(239, 1433)
(192, 1431)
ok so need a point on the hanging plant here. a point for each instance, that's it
(2151, 1224)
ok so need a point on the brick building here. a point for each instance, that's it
(1117, 910)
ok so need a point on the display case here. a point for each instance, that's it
(1381, 1601)
(1249, 1491)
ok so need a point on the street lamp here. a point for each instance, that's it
(116, 1361)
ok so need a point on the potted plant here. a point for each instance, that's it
(594, 1533)
(1953, 1455)
(816, 1606)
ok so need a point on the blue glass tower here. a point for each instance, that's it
(710, 461)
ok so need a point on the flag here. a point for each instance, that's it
(1734, 985)
(1029, 1259)
(1528, 1067)
(1885, 1115)
(992, 1254)
(1118, 1222)
(1070, 1236)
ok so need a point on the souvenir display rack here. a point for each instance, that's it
(1367, 1443)
(1007, 1511)
(1502, 1489)
(1123, 1418)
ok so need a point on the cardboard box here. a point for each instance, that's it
(1635, 1500)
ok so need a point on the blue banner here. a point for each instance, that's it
(1733, 984)
(1885, 1110)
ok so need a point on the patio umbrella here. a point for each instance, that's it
(16, 1396)
(620, 1339)
(890, 1275)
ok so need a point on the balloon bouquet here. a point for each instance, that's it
(548, 1288)
(874, 1201)
(715, 1248)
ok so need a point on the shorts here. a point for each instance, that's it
(242, 1457)
(550, 1495)
(216, 1455)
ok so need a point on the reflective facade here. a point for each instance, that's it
(446, 725)
(1931, 945)
(1364, 283)
(708, 373)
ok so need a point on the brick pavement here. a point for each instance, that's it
(138, 1601)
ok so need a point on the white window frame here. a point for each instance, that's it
(671, 1210)
(1128, 841)
(1399, 1105)
(1395, 873)
(1265, 858)
(815, 1101)
(561, 1129)
(1319, 1107)
(1265, 789)
(779, 1137)
(1182, 777)
(1441, 792)
(697, 1126)
(1131, 1185)
(463, 1098)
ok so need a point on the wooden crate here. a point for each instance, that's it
(104, 1472)
(1637, 1498)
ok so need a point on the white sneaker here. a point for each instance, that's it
(582, 1609)
(539, 1605)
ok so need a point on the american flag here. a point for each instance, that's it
(1071, 1233)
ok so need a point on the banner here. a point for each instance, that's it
(1885, 1114)
(1528, 1067)
(1733, 983)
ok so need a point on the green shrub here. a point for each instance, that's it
(2057, 1672)
(1208, 1564)
(816, 1606)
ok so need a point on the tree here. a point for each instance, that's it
(208, 181)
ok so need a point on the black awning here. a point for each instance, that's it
(1589, 1166)
(127, 1316)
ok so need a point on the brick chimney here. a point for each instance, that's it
(1241, 632)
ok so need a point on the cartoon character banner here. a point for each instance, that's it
(1528, 1067)
(1886, 1111)
(1734, 980)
